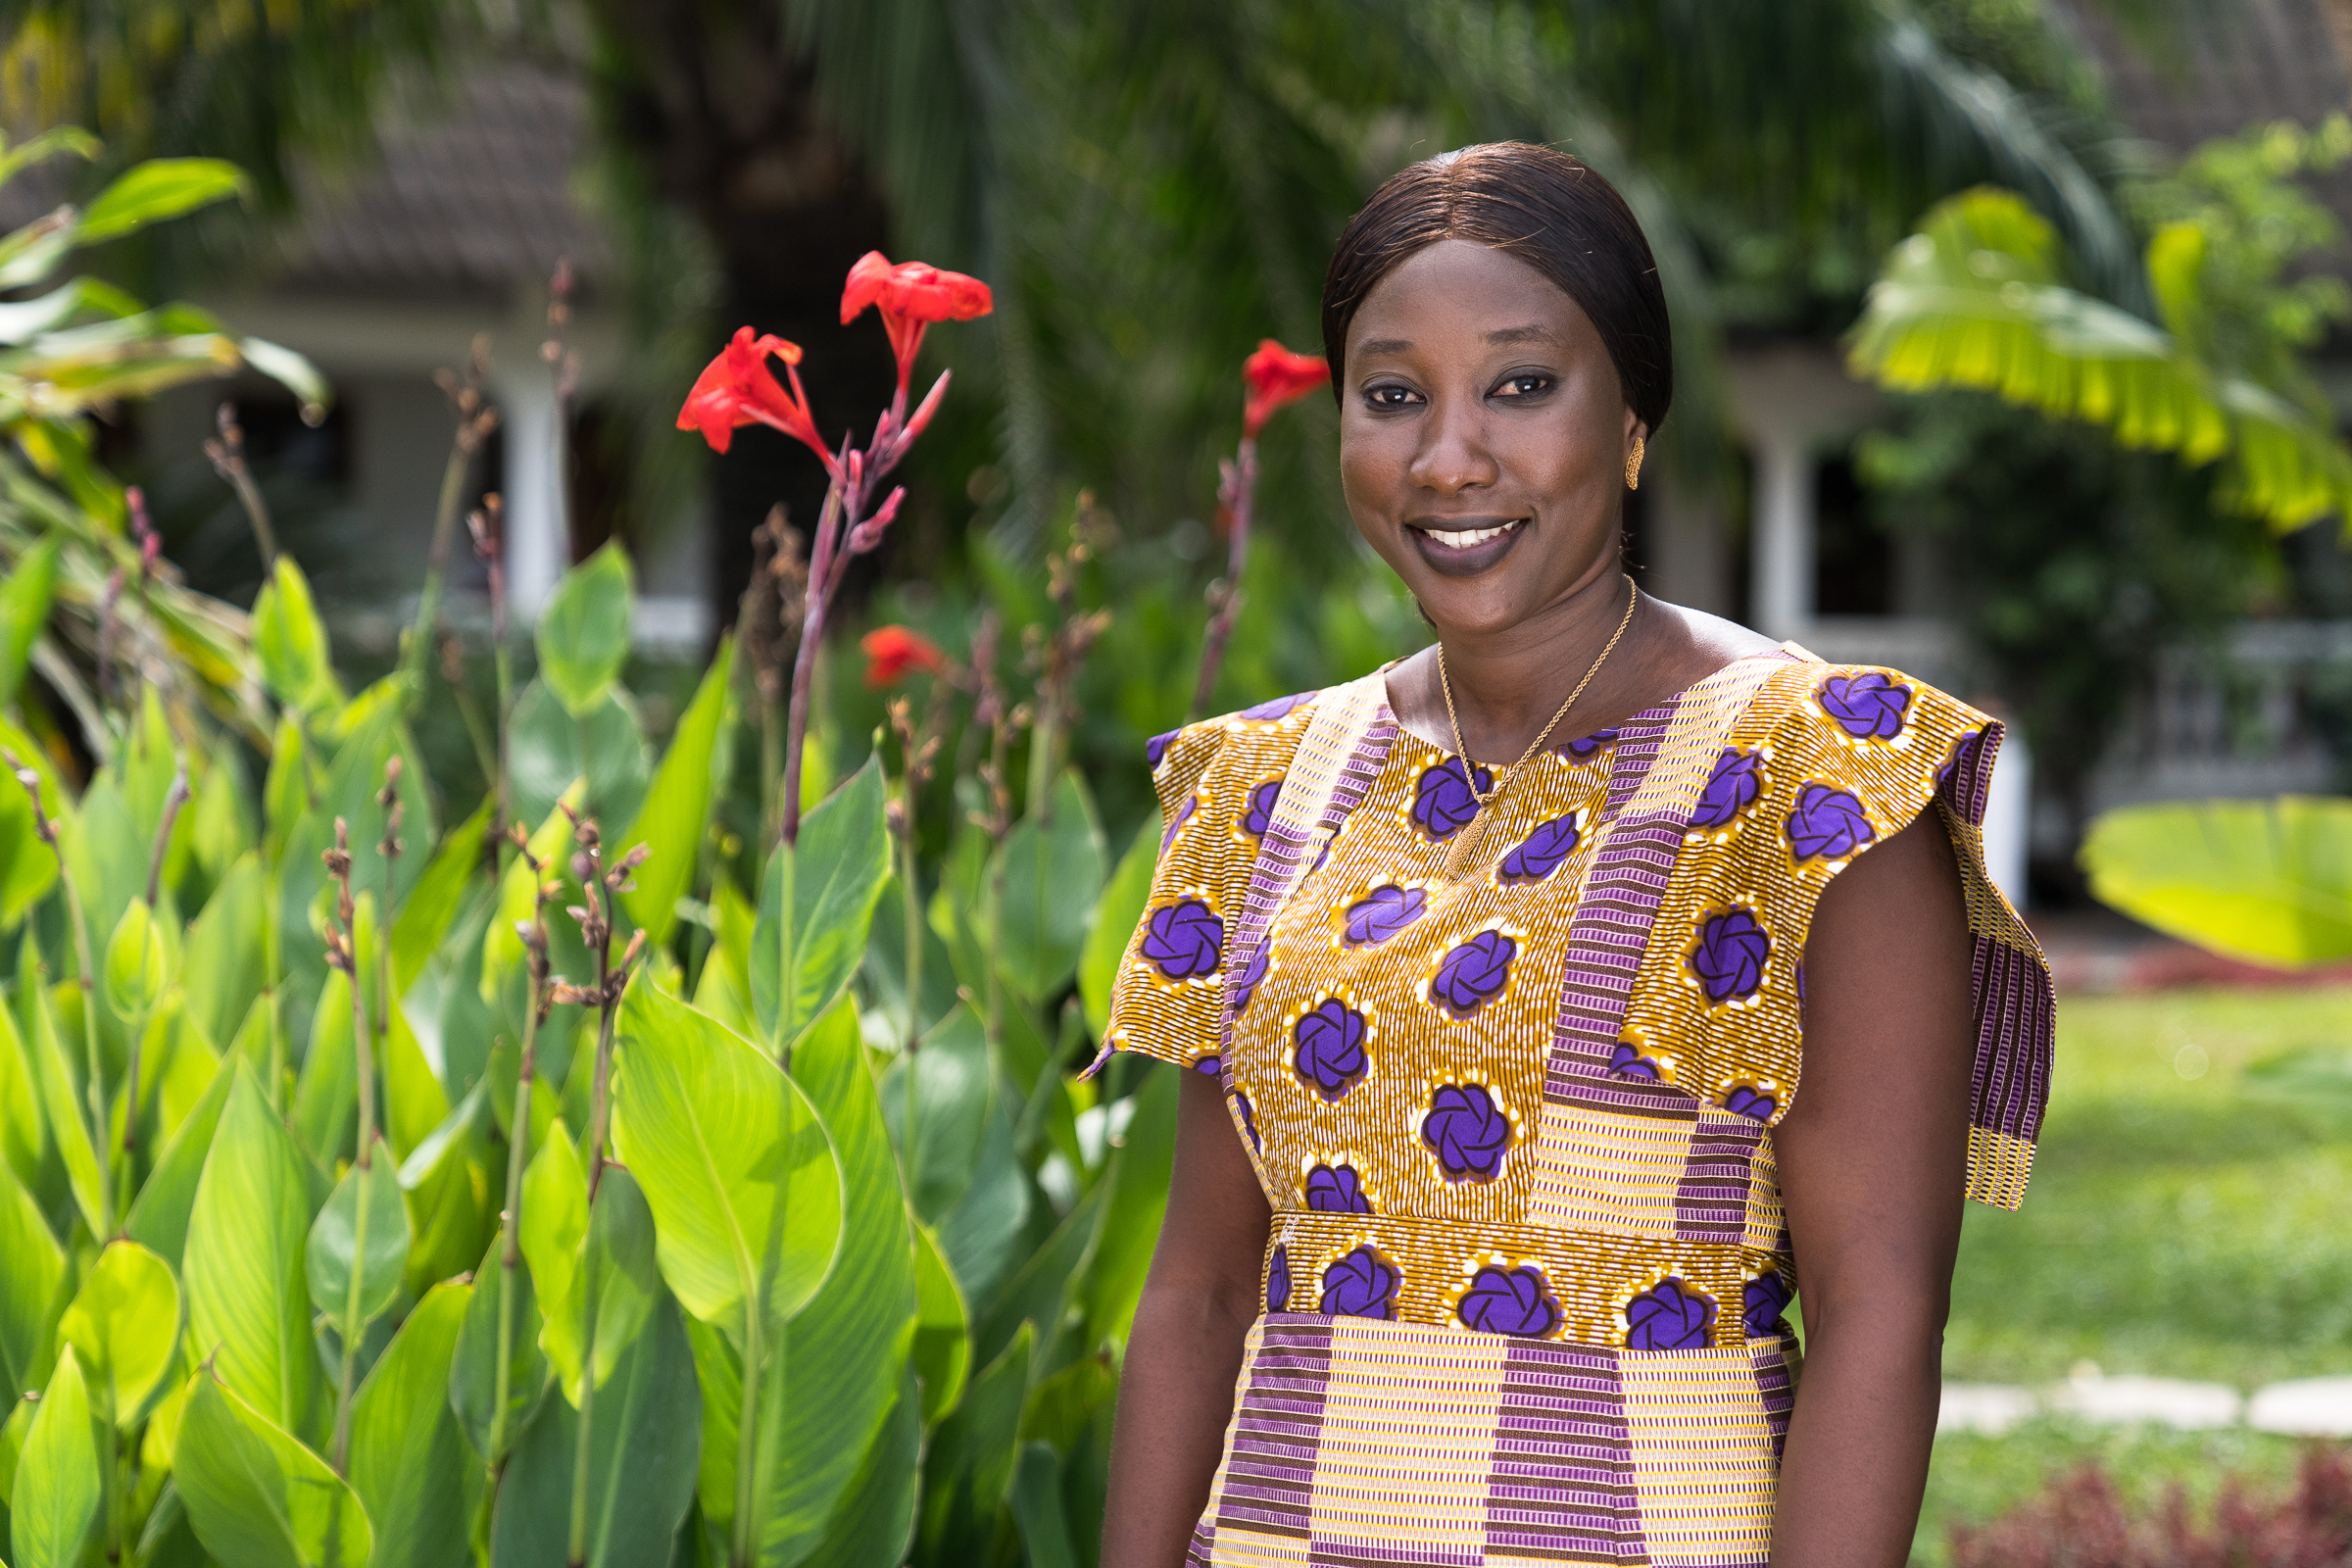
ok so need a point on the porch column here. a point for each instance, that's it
(1781, 544)
(538, 534)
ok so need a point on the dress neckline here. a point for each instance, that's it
(1665, 705)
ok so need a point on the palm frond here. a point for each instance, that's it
(1976, 300)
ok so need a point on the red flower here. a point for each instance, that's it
(893, 652)
(1277, 377)
(737, 388)
(910, 296)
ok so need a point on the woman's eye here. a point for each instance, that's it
(1390, 397)
(1523, 386)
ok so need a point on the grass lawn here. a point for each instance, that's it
(2178, 1225)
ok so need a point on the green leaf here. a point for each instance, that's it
(359, 1244)
(60, 1105)
(816, 901)
(290, 641)
(969, 1467)
(943, 1334)
(473, 1370)
(23, 1138)
(1139, 1199)
(549, 747)
(1036, 1508)
(159, 1219)
(124, 1328)
(677, 809)
(156, 189)
(847, 1348)
(583, 633)
(874, 1520)
(1117, 914)
(59, 1482)
(135, 968)
(2266, 881)
(257, 1497)
(223, 970)
(558, 1235)
(501, 944)
(292, 372)
(407, 1460)
(248, 1311)
(28, 1288)
(25, 611)
(744, 1186)
(326, 1093)
(431, 908)
(28, 866)
(968, 1179)
(1051, 873)
(1040, 1293)
(642, 1461)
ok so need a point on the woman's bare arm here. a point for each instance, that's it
(1872, 1157)
(1185, 1352)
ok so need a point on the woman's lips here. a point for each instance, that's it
(1472, 546)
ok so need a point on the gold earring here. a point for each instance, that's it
(1633, 465)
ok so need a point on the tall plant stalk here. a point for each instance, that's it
(342, 953)
(510, 1248)
(489, 547)
(477, 419)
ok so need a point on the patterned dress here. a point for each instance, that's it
(1525, 1285)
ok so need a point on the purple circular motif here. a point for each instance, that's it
(1868, 706)
(1241, 1103)
(1467, 1131)
(1729, 959)
(1383, 913)
(1258, 814)
(1738, 780)
(1158, 747)
(1752, 1103)
(1669, 1316)
(1442, 800)
(1362, 1283)
(1473, 974)
(1543, 852)
(1828, 821)
(1182, 939)
(1278, 708)
(1509, 1301)
(1586, 746)
(1763, 1301)
(1239, 988)
(1211, 1064)
(1336, 1189)
(1627, 1063)
(1331, 1046)
(1183, 815)
(1278, 1281)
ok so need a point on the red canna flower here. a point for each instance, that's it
(893, 652)
(910, 296)
(1277, 377)
(737, 388)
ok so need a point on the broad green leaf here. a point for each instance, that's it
(559, 1234)
(473, 1370)
(433, 905)
(1139, 1198)
(249, 1310)
(28, 866)
(1036, 1508)
(2266, 881)
(409, 1462)
(885, 965)
(743, 1183)
(256, 1495)
(1040, 1292)
(643, 1455)
(969, 1466)
(1061, 1407)
(943, 1334)
(159, 1219)
(24, 611)
(1051, 874)
(583, 633)
(135, 969)
(60, 1105)
(359, 1244)
(58, 1484)
(677, 809)
(967, 1179)
(816, 901)
(29, 1286)
(874, 1520)
(23, 1136)
(292, 372)
(414, 1103)
(724, 991)
(226, 964)
(549, 747)
(718, 1372)
(221, 814)
(290, 641)
(285, 788)
(327, 1104)
(1116, 915)
(847, 1348)
(124, 1326)
(156, 189)
(13, 1432)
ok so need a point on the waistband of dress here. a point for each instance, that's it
(1587, 1287)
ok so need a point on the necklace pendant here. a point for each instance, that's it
(1457, 854)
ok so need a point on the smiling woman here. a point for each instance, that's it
(1494, 1178)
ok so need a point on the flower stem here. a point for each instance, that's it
(823, 569)
(1241, 488)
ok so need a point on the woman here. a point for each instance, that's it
(1495, 1177)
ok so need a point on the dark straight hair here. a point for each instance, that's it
(1548, 210)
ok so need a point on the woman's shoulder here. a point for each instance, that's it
(1232, 752)
(1873, 720)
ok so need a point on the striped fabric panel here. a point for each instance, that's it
(1561, 1485)
(1406, 1444)
(1967, 781)
(1609, 1173)
(1775, 1361)
(1608, 933)
(1711, 1202)
(1705, 1455)
(1266, 1485)
(2016, 1040)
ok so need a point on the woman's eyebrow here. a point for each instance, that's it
(1385, 345)
(1521, 334)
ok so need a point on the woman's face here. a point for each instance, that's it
(1482, 436)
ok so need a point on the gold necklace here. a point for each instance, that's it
(1457, 853)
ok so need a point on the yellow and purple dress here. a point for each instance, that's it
(1524, 1284)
